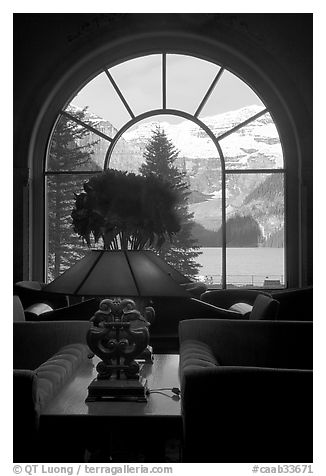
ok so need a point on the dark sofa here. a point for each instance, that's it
(246, 391)
(45, 356)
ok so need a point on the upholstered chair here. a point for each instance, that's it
(263, 307)
(296, 304)
(225, 298)
(31, 292)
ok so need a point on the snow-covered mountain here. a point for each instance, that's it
(243, 146)
(255, 145)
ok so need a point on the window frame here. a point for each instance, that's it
(41, 144)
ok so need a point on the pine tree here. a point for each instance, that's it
(160, 156)
(241, 231)
(69, 150)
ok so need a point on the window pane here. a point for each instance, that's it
(64, 245)
(254, 146)
(192, 142)
(197, 160)
(255, 230)
(72, 147)
(140, 81)
(188, 79)
(231, 95)
(255, 202)
(102, 100)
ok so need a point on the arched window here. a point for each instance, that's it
(227, 148)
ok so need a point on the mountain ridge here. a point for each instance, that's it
(255, 145)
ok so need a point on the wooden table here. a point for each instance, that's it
(70, 425)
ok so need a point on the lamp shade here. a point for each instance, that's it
(120, 273)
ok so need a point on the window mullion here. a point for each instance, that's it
(164, 80)
(220, 152)
(121, 96)
(254, 171)
(242, 124)
(86, 126)
(72, 172)
(209, 92)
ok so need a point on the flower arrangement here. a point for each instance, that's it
(126, 210)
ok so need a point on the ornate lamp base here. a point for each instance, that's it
(119, 390)
(118, 335)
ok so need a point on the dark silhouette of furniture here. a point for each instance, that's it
(295, 303)
(163, 330)
(81, 311)
(225, 298)
(168, 313)
(263, 307)
(246, 390)
(31, 292)
(45, 357)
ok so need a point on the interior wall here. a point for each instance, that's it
(46, 45)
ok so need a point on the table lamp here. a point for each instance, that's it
(118, 332)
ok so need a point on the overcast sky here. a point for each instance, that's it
(140, 81)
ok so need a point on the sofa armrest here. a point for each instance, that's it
(280, 344)
(36, 342)
(54, 373)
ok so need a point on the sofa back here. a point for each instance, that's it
(274, 344)
(81, 311)
(168, 313)
(295, 304)
(36, 342)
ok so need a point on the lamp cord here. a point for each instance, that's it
(175, 390)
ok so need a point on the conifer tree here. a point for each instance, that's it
(241, 231)
(70, 150)
(160, 156)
